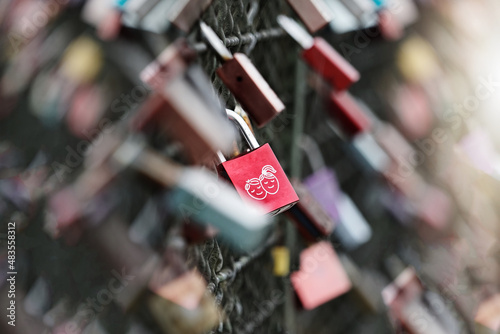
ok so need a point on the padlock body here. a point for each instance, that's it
(200, 197)
(313, 13)
(313, 222)
(347, 112)
(321, 276)
(185, 111)
(322, 185)
(250, 89)
(323, 58)
(258, 178)
(158, 112)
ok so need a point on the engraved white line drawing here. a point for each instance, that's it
(268, 180)
(255, 190)
(266, 183)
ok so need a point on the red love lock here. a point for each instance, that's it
(257, 175)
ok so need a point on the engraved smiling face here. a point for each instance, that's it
(255, 190)
(269, 182)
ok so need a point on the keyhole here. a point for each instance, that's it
(239, 78)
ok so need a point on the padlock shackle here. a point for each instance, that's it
(313, 152)
(244, 128)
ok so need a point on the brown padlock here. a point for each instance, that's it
(245, 82)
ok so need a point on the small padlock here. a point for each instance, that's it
(186, 106)
(174, 280)
(322, 183)
(321, 277)
(348, 113)
(321, 56)
(404, 299)
(245, 82)
(351, 228)
(257, 175)
(281, 259)
(310, 217)
(173, 318)
(314, 13)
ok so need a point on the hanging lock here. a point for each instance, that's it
(321, 277)
(186, 106)
(348, 113)
(314, 13)
(257, 175)
(245, 82)
(321, 56)
(352, 229)
(403, 297)
(316, 212)
(281, 259)
(312, 221)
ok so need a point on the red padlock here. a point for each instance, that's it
(348, 113)
(257, 175)
(321, 56)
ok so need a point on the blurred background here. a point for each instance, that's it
(129, 157)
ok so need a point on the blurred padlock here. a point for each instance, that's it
(174, 281)
(403, 298)
(351, 227)
(321, 276)
(245, 82)
(173, 318)
(314, 13)
(281, 259)
(321, 56)
(186, 106)
(348, 113)
(312, 221)
(257, 175)
(322, 183)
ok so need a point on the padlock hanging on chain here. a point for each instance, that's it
(351, 228)
(321, 277)
(244, 81)
(308, 215)
(321, 56)
(185, 106)
(337, 72)
(257, 175)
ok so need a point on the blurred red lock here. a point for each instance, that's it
(321, 277)
(257, 175)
